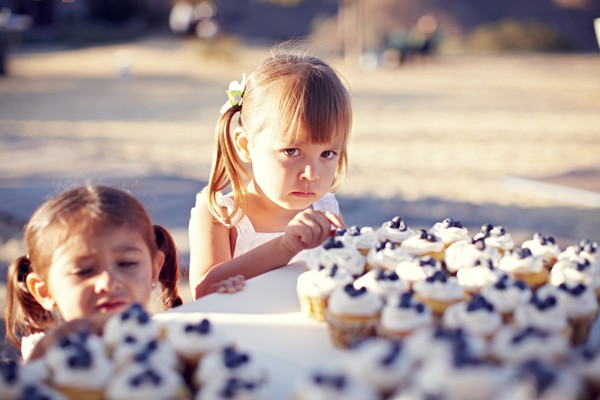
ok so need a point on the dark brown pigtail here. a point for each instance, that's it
(169, 272)
(24, 315)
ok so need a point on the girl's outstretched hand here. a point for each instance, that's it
(309, 229)
(230, 285)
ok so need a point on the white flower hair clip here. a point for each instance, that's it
(234, 93)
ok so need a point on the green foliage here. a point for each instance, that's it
(514, 35)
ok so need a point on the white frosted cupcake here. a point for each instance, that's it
(192, 340)
(403, 315)
(544, 247)
(379, 363)
(496, 237)
(153, 352)
(331, 383)
(544, 311)
(79, 366)
(581, 306)
(15, 377)
(516, 345)
(134, 324)
(140, 381)
(438, 292)
(584, 249)
(521, 264)
(386, 255)
(476, 316)
(450, 231)
(335, 252)
(315, 286)
(417, 269)
(475, 278)
(574, 271)
(467, 254)
(396, 230)
(352, 315)
(535, 379)
(382, 282)
(361, 238)
(228, 363)
(506, 295)
(425, 244)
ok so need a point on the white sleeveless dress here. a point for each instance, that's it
(248, 238)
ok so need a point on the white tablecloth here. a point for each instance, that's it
(265, 319)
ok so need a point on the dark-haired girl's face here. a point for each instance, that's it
(102, 272)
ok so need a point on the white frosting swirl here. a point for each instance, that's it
(579, 300)
(382, 282)
(321, 282)
(417, 269)
(544, 311)
(192, 340)
(478, 321)
(474, 278)
(506, 295)
(575, 271)
(387, 257)
(543, 247)
(513, 344)
(350, 301)
(228, 363)
(388, 231)
(397, 317)
(133, 323)
(331, 383)
(334, 252)
(447, 291)
(465, 254)
(450, 234)
(513, 263)
(143, 381)
(417, 246)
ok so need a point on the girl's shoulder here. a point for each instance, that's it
(224, 200)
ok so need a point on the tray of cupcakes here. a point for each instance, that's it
(138, 357)
(442, 313)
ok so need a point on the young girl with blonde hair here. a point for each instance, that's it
(92, 251)
(280, 164)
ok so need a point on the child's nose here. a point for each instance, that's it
(107, 281)
(310, 172)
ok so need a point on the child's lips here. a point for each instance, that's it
(110, 305)
(303, 195)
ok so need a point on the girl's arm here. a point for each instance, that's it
(211, 249)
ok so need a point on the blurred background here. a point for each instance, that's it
(484, 111)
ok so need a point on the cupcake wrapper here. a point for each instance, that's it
(581, 328)
(390, 334)
(80, 394)
(347, 332)
(533, 280)
(313, 307)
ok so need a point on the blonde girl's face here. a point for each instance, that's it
(293, 174)
(100, 273)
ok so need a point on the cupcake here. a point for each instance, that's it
(496, 237)
(536, 379)
(315, 286)
(514, 345)
(192, 341)
(331, 383)
(134, 324)
(382, 282)
(396, 231)
(79, 367)
(467, 254)
(144, 381)
(438, 292)
(360, 238)
(37, 391)
(581, 307)
(417, 269)
(574, 271)
(231, 389)
(403, 315)
(521, 264)
(425, 244)
(15, 377)
(386, 255)
(544, 311)
(153, 352)
(475, 278)
(379, 363)
(352, 315)
(450, 231)
(584, 249)
(476, 316)
(335, 252)
(543, 247)
(506, 295)
(226, 363)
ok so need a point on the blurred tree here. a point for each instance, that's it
(115, 11)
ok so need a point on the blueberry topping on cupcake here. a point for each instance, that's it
(202, 327)
(479, 244)
(353, 292)
(137, 312)
(354, 230)
(395, 352)
(334, 270)
(423, 235)
(543, 375)
(479, 302)
(383, 275)
(331, 243)
(81, 358)
(147, 376)
(384, 244)
(450, 223)
(577, 290)
(336, 381)
(31, 392)
(543, 304)
(521, 253)
(234, 359)
(529, 332)
(437, 276)
(234, 385)
(397, 223)
(583, 265)
(340, 231)
(9, 370)
(427, 262)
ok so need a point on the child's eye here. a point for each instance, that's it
(329, 154)
(127, 264)
(83, 271)
(291, 152)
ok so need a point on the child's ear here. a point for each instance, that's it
(40, 291)
(159, 260)
(241, 142)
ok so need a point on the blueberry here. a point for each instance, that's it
(331, 243)
(9, 370)
(395, 351)
(353, 292)
(479, 302)
(479, 244)
(334, 270)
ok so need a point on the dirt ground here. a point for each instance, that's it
(451, 136)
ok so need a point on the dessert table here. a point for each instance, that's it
(265, 320)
